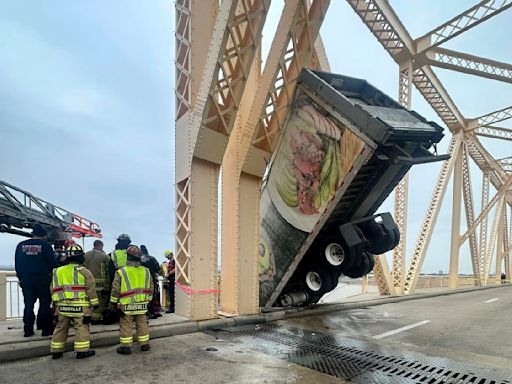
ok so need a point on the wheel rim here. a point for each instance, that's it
(313, 281)
(334, 254)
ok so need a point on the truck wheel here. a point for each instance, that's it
(382, 240)
(335, 253)
(364, 267)
(396, 231)
(318, 280)
(371, 258)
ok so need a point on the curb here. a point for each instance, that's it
(31, 349)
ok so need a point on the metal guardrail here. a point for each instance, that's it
(11, 296)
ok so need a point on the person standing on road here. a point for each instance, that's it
(73, 292)
(132, 290)
(118, 255)
(97, 262)
(34, 262)
(151, 263)
(169, 268)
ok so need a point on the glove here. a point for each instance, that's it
(87, 320)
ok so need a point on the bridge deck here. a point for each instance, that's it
(444, 339)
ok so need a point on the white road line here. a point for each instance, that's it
(490, 301)
(386, 334)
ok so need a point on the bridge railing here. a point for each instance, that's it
(11, 296)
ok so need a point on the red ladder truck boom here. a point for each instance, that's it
(21, 210)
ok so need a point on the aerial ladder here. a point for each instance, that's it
(20, 211)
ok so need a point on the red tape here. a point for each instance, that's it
(191, 291)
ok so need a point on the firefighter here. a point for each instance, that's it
(132, 290)
(96, 261)
(118, 255)
(73, 292)
(34, 262)
(169, 272)
(151, 263)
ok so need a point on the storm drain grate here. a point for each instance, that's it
(360, 361)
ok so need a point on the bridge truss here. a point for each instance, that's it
(230, 109)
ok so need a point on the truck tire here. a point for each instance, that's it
(365, 265)
(371, 258)
(381, 239)
(318, 280)
(335, 253)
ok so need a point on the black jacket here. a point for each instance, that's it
(34, 257)
(151, 263)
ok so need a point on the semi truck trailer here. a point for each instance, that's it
(343, 148)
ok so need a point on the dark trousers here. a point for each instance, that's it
(37, 287)
(170, 288)
(154, 305)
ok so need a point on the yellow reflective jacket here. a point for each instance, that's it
(119, 258)
(73, 290)
(132, 288)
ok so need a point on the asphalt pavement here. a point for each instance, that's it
(469, 331)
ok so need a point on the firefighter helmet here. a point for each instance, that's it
(168, 254)
(73, 250)
(123, 237)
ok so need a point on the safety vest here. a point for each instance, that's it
(119, 258)
(135, 292)
(69, 290)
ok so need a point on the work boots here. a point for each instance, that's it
(83, 355)
(144, 348)
(28, 333)
(57, 355)
(124, 350)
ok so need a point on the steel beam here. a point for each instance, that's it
(235, 40)
(462, 22)
(240, 220)
(500, 244)
(486, 162)
(420, 249)
(466, 63)
(483, 225)
(495, 132)
(470, 215)
(487, 208)
(401, 190)
(508, 246)
(498, 218)
(191, 55)
(383, 22)
(490, 118)
(321, 56)
(196, 234)
(436, 95)
(453, 279)
(300, 40)
(506, 163)
(292, 49)
(383, 278)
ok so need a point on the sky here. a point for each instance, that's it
(87, 107)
